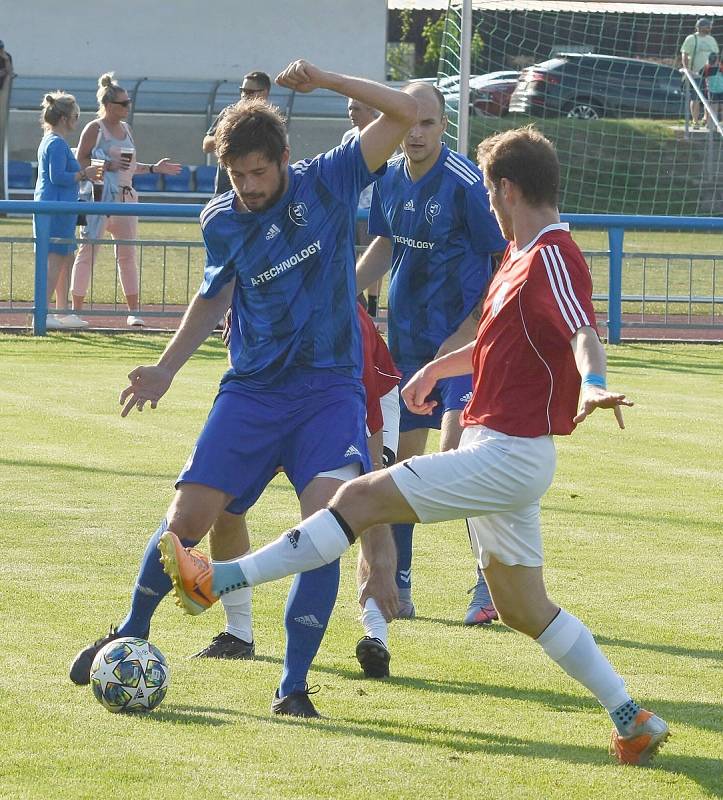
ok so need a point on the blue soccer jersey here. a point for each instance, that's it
(294, 300)
(442, 233)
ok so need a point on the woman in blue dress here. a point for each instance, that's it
(59, 174)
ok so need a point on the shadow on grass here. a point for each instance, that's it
(672, 649)
(706, 716)
(702, 770)
(56, 465)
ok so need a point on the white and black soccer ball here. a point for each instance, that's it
(129, 674)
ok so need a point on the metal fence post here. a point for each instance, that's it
(42, 241)
(615, 284)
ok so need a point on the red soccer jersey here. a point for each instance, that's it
(526, 381)
(380, 374)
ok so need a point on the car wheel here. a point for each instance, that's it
(583, 109)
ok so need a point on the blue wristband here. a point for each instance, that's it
(593, 379)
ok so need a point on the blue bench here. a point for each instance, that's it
(146, 182)
(21, 175)
(178, 183)
(205, 177)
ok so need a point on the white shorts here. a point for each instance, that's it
(495, 481)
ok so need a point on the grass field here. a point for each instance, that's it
(632, 531)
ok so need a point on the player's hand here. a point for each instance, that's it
(301, 76)
(166, 167)
(593, 397)
(381, 586)
(147, 385)
(416, 393)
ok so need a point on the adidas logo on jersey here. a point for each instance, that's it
(466, 397)
(409, 205)
(309, 620)
(273, 231)
(352, 451)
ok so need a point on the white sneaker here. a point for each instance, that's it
(73, 321)
(54, 323)
(134, 322)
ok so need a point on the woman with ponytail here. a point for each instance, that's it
(59, 174)
(110, 138)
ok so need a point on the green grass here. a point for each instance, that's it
(632, 536)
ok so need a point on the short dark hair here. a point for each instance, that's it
(251, 126)
(525, 157)
(261, 78)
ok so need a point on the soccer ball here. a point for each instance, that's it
(129, 674)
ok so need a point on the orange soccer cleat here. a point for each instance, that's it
(190, 572)
(648, 733)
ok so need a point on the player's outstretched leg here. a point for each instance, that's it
(523, 604)
(151, 586)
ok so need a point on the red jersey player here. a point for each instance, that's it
(538, 370)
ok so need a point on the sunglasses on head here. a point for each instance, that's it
(124, 103)
(251, 91)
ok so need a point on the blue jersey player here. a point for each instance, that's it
(280, 252)
(432, 217)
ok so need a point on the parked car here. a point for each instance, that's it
(489, 88)
(592, 85)
(493, 99)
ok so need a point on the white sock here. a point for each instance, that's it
(374, 623)
(568, 642)
(316, 541)
(237, 605)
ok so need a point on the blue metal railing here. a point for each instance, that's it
(615, 224)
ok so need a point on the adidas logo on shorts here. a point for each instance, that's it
(309, 620)
(466, 397)
(352, 451)
(273, 231)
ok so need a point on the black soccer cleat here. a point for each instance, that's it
(226, 645)
(296, 704)
(80, 668)
(373, 657)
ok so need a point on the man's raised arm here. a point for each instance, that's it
(380, 138)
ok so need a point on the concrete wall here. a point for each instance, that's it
(189, 39)
(174, 136)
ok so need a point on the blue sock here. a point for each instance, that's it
(152, 585)
(403, 539)
(308, 608)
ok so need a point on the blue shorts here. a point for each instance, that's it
(313, 422)
(451, 394)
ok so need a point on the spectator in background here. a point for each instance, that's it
(694, 52)
(6, 64)
(713, 79)
(254, 85)
(59, 175)
(360, 116)
(110, 138)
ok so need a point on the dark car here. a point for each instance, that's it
(590, 86)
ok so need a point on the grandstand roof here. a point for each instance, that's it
(630, 7)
